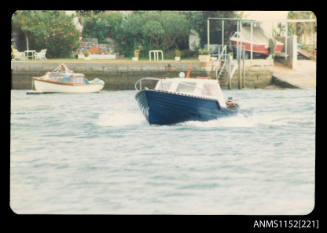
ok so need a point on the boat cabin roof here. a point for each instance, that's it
(258, 36)
(204, 88)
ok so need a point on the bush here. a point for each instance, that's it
(51, 30)
(136, 53)
(153, 30)
(102, 25)
(189, 53)
(178, 53)
(203, 52)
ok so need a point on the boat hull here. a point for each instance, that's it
(258, 48)
(163, 108)
(48, 87)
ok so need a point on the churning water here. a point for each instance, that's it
(96, 154)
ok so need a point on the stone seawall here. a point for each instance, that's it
(122, 75)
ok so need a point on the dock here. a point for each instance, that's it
(303, 76)
(122, 75)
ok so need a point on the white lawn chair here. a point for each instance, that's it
(41, 55)
(19, 55)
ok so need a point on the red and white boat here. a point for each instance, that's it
(260, 42)
(63, 80)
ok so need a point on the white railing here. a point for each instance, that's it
(222, 55)
(156, 55)
(138, 83)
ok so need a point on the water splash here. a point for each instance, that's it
(240, 120)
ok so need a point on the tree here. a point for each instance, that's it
(166, 30)
(26, 21)
(177, 29)
(300, 28)
(153, 30)
(52, 30)
(101, 25)
(198, 22)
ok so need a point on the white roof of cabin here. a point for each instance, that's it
(204, 88)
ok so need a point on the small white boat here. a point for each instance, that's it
(63, 80)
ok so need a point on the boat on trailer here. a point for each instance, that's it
(64, 80)
(258, 43)
(175, 100)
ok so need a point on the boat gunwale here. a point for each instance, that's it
(237, 40)
(180, 94)
(64, 83)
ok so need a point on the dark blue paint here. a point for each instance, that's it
(163, 108)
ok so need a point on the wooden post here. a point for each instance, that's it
(293, 51)
(243, 67)
(239, 66)
(27, 41)
(286, 34)
(229, 72)
(239, 58)
(222, 33)
(251, 41)
(208, 33)
(238, 30)
(313, 38)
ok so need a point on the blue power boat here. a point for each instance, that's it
(175, 100)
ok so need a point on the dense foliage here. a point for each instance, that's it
(51, 30)
(101, 25)
(146, 30)
(198, 22)
(299, 28)
(142, 30)
(154, 30)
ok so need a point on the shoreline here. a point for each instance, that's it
(122, 74)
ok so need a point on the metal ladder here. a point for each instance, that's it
(228, 64)
(225, 63)
(220, 64)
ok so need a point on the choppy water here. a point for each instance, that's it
(95, 153)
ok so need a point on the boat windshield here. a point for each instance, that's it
(164, 85)
(209, 90)
(186, 87)
(66, 79)
(194, 87)
(79, 79)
